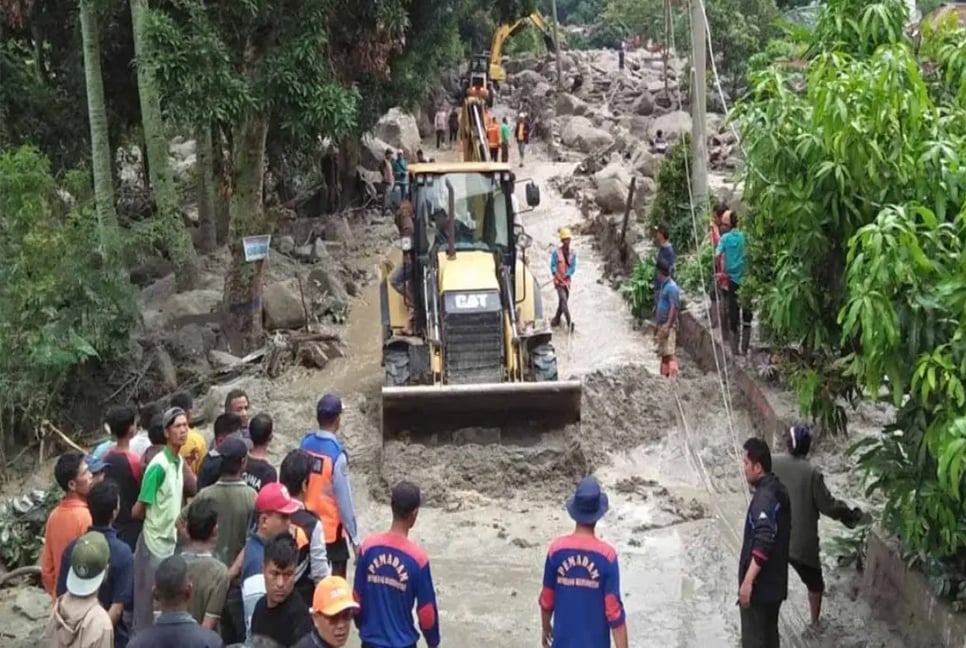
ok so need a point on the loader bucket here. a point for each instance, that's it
(422, 410)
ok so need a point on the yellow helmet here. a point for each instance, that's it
(564, 233)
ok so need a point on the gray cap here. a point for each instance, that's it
(171, 414)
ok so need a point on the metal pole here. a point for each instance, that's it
(556, 43)
(699, 142)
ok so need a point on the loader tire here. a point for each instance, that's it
(396, 363)
(543, 361)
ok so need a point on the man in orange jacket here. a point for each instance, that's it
(493, 136)
(563, 264)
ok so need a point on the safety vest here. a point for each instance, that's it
(320, 494)
(493, 133)
(563, 264)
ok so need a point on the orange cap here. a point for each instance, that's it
(333, 595)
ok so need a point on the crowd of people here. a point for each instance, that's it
(160, 540)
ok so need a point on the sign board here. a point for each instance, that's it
(256, 247)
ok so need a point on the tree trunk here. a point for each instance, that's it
(243, 286)
(223, 191)
(97, 114)
(162, 179)
(206, 189)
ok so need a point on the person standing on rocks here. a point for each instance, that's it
(69, 519)
(329, 494)
(563, 264)
(159, 504)
(580, 603)
(763, 564)
(439, 122)
(668, 308)
(392, 576)
(731, 248)
(400, 175)
(621, 53)
(522, 131)
(810, 498)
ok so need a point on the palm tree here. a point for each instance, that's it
(97, 114)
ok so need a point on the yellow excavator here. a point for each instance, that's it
(478, 351)
(507, 30)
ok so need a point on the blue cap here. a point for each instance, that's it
(329, 407)
(589, 502)
(95, 463)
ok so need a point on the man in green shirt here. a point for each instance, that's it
(505, 133)
(159, 504)
(208, 575)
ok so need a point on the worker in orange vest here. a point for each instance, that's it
(563, 263)
(329, 494)
(493, 136)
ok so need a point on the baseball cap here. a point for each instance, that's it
(233, 448)
(95, 463)
(274, 498)
(88, 564)
(333, 595)
(170, 415)
(329, 407)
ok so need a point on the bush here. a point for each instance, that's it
(672, 200)
(65, 297)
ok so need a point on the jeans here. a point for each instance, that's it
(440, 138)
(145, 565)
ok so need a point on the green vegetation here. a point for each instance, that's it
(857, 189)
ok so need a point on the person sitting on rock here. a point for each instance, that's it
(658, 144)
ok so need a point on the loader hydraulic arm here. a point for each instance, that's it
(505, 31)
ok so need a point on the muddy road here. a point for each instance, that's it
(669, 465)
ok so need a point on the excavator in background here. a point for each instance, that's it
(479, 350)
(497, 74)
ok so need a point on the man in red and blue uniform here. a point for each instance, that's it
(392, 574)
(581, 580)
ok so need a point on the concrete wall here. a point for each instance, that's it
(898, 594)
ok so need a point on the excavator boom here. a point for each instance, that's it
(507, 30)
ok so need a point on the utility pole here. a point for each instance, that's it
(699, 102)
(556, 43)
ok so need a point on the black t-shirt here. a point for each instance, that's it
(210, 469)
(258, 473)
(285, 623)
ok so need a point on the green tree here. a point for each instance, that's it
(857, 198)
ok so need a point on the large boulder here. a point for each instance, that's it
(400, 130)
(282, 306)
(526, 79)
(337, 229)
(190, 304)
(567, 104)
(373, 152)
(644, 162)
(644, 104)
(673, 125)
(613, 182)
(581, 134)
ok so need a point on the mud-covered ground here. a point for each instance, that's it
(672, 473)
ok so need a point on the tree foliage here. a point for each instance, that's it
(64, 294)
(857, 189)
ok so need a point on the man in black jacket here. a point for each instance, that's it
(763, 567)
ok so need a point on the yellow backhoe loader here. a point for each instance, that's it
(480, 352)
(505, 31)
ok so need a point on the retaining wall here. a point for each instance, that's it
(898, 594)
